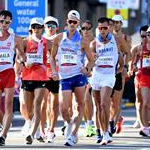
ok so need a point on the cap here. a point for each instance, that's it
(50, 18)
(148, 30)
(73, 14)
(37, 21)
(117, 18)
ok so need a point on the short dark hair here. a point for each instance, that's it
(144, 28)
(89, 22)
(103, 19)
(6, 13)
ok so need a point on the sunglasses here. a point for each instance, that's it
(6, 21)
(36, 26)
(51, 26)
(103, 28)
(143, 36)
(148, 34)
(117, 22)
(72, 21)
(86, 28)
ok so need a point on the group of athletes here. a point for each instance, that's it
(72, 72)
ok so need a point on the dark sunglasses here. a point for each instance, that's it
(36, 26)
(6, 21)
(143, 36)
(103, 28)
(51, 25)
(72, 21)
(86, 28)
(148, 34)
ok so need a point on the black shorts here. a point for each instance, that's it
(52, 86)
(118, 83)
(32, 85)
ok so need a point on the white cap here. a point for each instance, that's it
(37, 21)
(117, 18)
(50, 18)
(148, 30)
(73, 14)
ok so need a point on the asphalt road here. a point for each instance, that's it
(129, 138)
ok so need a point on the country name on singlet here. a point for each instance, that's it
(34, 56)
(4, 55)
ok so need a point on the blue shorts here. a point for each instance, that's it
(73, 82)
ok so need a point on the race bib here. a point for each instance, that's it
(146, 62)
(68, 59)
(105, 61)
(5, 57)
(34, 58)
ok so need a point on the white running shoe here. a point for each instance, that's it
(50, 137)
(25, 129)
(37, 133)
(71, 140)
(68, 129)
(145, 131)
(110, 139)
(104, 139)
(136, 124)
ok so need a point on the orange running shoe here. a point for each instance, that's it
(119, 124)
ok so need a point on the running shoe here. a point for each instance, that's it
(112, 127)
(26, 127)
(2, 141)
(68, 129)
(119, 124)
(50, 137)
(71, 140)
(98, 138)
(63, 130)
(136, 124)
(104, 139)
(110, 138)
(29, 139)
(38, 135)
(90, 131)
(145, 131)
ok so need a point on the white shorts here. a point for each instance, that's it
(101, 80)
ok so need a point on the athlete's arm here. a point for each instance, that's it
(121, 63)
(85, 46)
(55, 45)
(124, 47)
(19, 46)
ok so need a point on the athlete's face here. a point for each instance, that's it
(143, 36)
(72, 24)
(111, 26)
(86, 29)
(51, 28)
(37, 29)
(103, 29)
(5, 22)
(117, 25)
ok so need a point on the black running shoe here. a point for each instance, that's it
(98, 136)
(40, 139)
(63, 130)
(112, 127)
(29, 139)
(2, 141)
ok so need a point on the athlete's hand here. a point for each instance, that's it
(135, 68)
(125, 73)
(55, 76)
